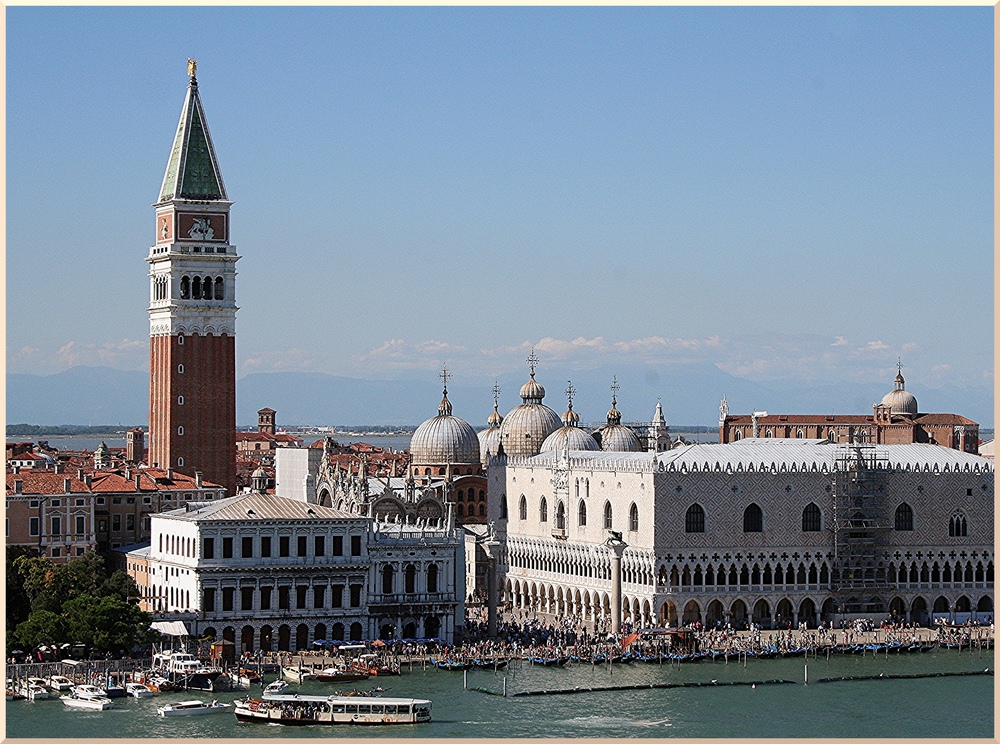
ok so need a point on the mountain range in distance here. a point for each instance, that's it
(689, 392)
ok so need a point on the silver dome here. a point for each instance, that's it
(901, 402)
(489, 441)
(618, 438)
(571, 438)
(525, 428)
(444, 439)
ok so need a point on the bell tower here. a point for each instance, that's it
(192, 309)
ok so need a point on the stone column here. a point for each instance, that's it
(617, 546)
(490, 547)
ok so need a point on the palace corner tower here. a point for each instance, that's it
(192, 309)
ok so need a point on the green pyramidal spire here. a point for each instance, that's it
(193, 170)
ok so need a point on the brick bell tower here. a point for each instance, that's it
(192, 309)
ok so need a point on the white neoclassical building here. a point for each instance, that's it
(764, 529)
(272, 573)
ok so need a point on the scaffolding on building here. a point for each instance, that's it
(860, 577)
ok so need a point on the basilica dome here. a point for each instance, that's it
(901, 402)
(444, 439)
(525, 428)
(614, 437)
(570, 436)
(489, 438)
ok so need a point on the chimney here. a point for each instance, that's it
(170, 473)
(88, 479)
(197, 478)
(79, 474)
(67, 485)
(17, 469)
(18, 485)
(137, 478)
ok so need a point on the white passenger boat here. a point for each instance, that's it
(276, 688)
(87, 697)
(305, 710)
(192, 708)
(137, 690)
(185, 671)
(60, 684)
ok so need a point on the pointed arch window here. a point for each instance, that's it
(522, 508)
(904, 518)
(633, 518)
(958, 526)
(753, 519)
(582, 514)
(503, 506)
(812, 518)
(694, 520)
(607, 515)
(185, 287)
(560, 516)
(220, 288)
(543, 510)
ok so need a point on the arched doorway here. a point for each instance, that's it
(738, 614)
(829, 610)
(940, 605)
(302, 637)
(337, 632)
(714, 613)
(985, 604)
(229, 645)
(432, 627)
(265, 638)
(409, 629)
(807, 613)
(284, 638)
(357, 632)
(386, 631)
(783, 614)
(918, 611)
(246, 639)
(762, 614)
(692, 613)
(668, 614)
(320, 633)
(897, 608)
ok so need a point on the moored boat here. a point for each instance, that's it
(60, 684)
(304, 710)
(341, 674)
(276, 688)
(192, 708)
(297, 674)
(137, 690)
(87, 697)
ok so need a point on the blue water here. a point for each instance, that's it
(930, 707)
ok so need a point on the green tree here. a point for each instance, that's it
(18, 601)
(42, 628)
(105, 623)
(122, 586)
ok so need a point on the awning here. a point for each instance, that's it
(170, 628)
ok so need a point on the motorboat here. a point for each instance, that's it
(297, 674)
(276, 688)
(87, 697)
(341, 674)
(31, 689)
(185, 671)
(305, 710)
(137, 690)
(60, 684)
(192, 708)
(244, 678)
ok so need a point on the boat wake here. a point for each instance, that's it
(612, 722)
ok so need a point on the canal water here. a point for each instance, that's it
(910, 708)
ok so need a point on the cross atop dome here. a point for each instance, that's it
(570, 392)
(496, 393)
(532, 361)
(615, 387)
(444, 409)
(444, 376)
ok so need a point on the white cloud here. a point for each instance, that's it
(839, 341)
(877, 346)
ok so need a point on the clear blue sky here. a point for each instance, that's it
(797, 193)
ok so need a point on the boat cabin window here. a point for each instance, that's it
(338, 708)
(364, 709)
(381, 709)
(352, 709)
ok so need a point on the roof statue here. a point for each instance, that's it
(192, 67)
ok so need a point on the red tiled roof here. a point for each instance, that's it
(944, 418)
(104, 481)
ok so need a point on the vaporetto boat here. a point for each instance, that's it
(305, 710)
